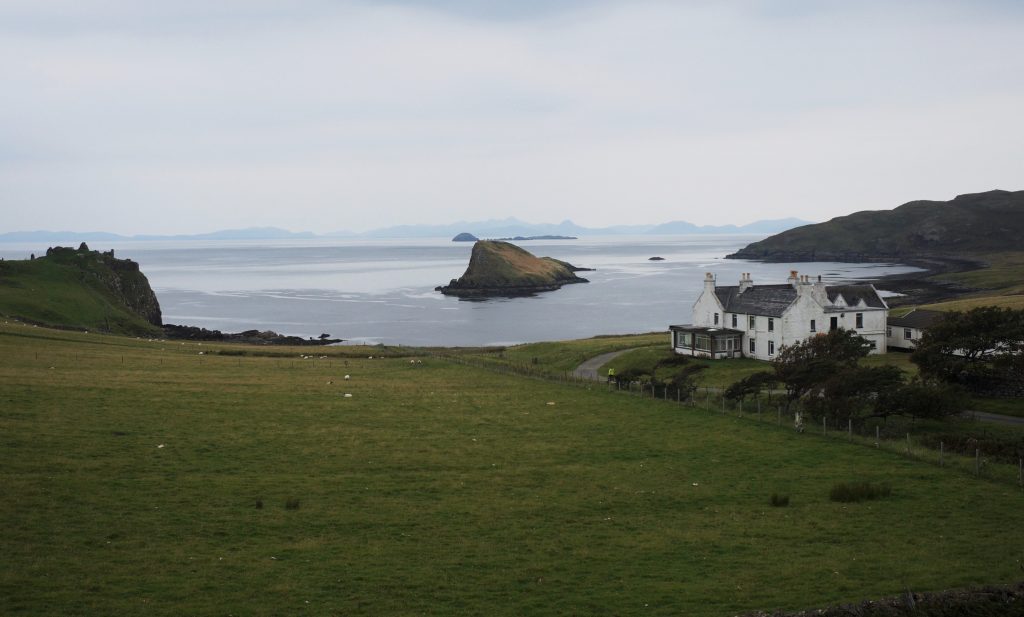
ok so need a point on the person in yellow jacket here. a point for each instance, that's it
(611, 374)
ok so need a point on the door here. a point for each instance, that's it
(833, 323)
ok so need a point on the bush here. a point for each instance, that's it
(779, 501)
(849, 492)
(291, 504)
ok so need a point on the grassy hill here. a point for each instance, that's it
(500, 268)
(144, 478)
(973, 223)
(80, 289)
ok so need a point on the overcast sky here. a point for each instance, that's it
(194, 115)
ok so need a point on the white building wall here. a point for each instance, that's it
(704, 310)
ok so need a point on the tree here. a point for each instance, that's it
(810, 363)
(921, 399)
(981, 349)
(853, 392)
(751, 385)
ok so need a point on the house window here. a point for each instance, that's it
(874, 344)
(860, 320)
(734, 320)
(813, 329)
(888, 331)
(771, 348)
(716, 319)
(907, 334)
(751, 345)
(833, 323)
(771, 325)
(753, 322)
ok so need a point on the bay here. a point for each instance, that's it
(382, 291)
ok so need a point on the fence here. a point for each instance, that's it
(769, 413)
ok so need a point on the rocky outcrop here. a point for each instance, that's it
(252, 337)
(500, 269)
(120, 278)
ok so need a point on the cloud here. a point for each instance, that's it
(327, 115)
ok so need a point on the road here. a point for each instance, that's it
(588, 370)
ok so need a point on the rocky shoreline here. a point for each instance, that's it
(249, 337)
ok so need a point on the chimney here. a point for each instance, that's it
(794, 278)
(746, 282)
(820, 293)
(709, 283)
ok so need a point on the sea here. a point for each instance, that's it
(382, 291)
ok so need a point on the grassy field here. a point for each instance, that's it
(1001, 283)
(132, 472)
(561, 356)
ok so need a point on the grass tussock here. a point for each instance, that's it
(852, 492)
(779, 501)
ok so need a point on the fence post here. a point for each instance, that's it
(908, 443)
(878, 441)
(941, 448)
(977, 461)
(849, 428)
(824, 426)
(778, 415)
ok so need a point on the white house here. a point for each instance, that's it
(756, 321)
(904, 332)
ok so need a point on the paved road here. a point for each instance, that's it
(588, 370)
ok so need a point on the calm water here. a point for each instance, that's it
(383, 291)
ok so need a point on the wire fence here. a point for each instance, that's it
(772, 411)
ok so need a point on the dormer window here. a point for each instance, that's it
(716, 319)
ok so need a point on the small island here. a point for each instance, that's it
(468, 237)
(500, 269)
(655, 258)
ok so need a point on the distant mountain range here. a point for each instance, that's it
(491, 228)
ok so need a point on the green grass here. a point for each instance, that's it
(438, 489)
(567, 355)
(48, 292)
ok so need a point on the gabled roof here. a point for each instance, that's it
(918, 318)
(770, 300)
(773, 300)
(853, 294)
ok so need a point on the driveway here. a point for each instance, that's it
(588, 370)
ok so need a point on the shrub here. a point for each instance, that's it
(291, 504)
(259, 504)
(779, 501)
(848, 492)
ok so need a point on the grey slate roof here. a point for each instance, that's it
(772, 300)
(853, 294)
(918, 318)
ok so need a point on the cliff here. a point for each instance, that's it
(972, 223)
(80, 289)
(501, 269)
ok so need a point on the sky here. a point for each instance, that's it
(319, 115)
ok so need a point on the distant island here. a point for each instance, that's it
(468, 237)
(500, 269)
